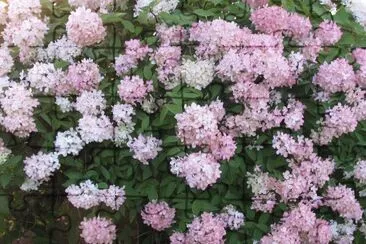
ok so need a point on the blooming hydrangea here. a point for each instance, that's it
(157, 7)
(343, 233)
(135, 52)
(357, 8)
(64, 103)
(342, 199)
(122, 115)
(40, 167)
(328, 32)
(233, 218)
(158, 215)
(195, 129)
(95, 128)
(197, 74)
(98, 230)
(336, 76)
(87, 195)
(85, 28)
(18, 106)
(170, 35)
(3, 13)
(273, 19)
(113, 197)
(44, 77)
(63, 49)
(339, 120)
(90, 102)
(68, 142)
(144, 148)
(299, 225)
(223, 147)
(6, 61)
(133, 90)
(200, 170)
(167, 58)
(206, 229)
(300, 148)
(84, 75)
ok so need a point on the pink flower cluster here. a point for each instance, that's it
(85, 28)
(232, 217)
(18, 105)
(339, 120)
(307, 173)
(168, 61)
(135, 52)
(98, 230)
(256, 3)
(95, 128)
(145, 148)
(200, 170)
(342, 199)
(336, 77)
(205, 229)
(83, 76)
(24, 27)
(133, 89)
(299, 225)
(87, 195)
(158, 215)
(94, 5)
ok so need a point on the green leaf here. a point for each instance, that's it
(203, 12)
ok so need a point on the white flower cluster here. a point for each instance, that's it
(358, 9)
(87, 195)
(156, 6)
(63, 49)
(144, 148)
(91, 102)
(342, 233)
(232, 217)
(64, 103)
(68, 142)
(122, 115)
(95, 128)
(198, 74)
(40, 167)
(101, 5)
(44, 77)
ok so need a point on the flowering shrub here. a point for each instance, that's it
(182, 121)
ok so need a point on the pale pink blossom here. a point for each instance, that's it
(158, 215)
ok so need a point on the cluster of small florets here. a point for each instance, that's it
(299, 225)
(24, 28)
(45, 78)
(84, 75)
(200, 170)
(63, 49)
(87, 195)
(6, 61)
(145, 148)
(135, 52)
(68, 143)
(158, 215)
(133, 89)
(156, 7)
(232, 217)
(98, 230)
(343, 233)
(205, 229)
(18, 104)
(40, 167)
(122, 115)
(90, 102)
(198, 74)
(85, 27)
(95, 128)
